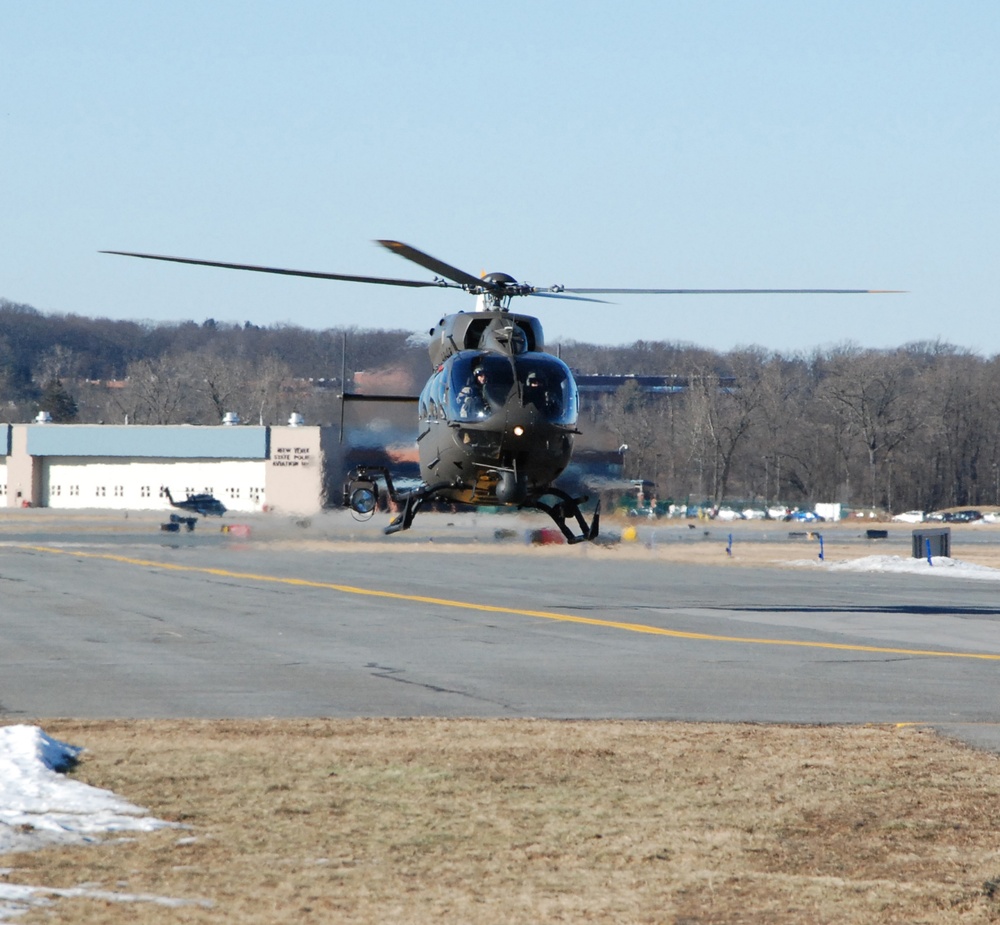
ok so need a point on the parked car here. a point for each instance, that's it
(909, 517)
(805, 517)
(962, 517)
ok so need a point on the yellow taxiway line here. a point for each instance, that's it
(492, 608)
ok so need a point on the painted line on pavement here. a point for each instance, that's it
(492, 608)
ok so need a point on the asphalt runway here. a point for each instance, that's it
(107, 617)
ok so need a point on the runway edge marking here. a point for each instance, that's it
(492, 608)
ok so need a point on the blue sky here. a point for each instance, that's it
(648, 144)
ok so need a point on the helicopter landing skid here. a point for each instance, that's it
(411, 502)
(568, 506)
(361, 495)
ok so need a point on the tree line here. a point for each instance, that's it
(913, 427)
(92, 370)
(917, 427)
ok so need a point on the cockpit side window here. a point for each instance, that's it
(433, 396)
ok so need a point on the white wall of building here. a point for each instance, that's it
(136, 484)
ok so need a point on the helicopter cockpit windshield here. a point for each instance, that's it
(547, 385)
(479, 386)
(482, 384)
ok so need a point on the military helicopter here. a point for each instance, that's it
(206, 505)
(498, 415)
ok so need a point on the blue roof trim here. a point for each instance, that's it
(178, 442)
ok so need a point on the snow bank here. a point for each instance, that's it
(40, 806)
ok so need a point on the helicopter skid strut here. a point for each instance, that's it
(568, 506)
(411, 502)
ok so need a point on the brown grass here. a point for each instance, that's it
(422, 821)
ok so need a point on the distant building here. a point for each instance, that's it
(650, 385)
(608, 385)
(116, 467)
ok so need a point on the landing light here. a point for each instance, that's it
(518, 430)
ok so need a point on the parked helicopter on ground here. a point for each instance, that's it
(498, 415)
(204, 504)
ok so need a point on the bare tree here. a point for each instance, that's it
(218, 382)
(871, 393)
(262, 401)
(58, 362)
(634, 419)
(726, 408)
(155, 393)
(784, 396)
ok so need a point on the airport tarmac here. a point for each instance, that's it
(108, 616)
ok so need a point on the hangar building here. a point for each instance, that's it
(130, 467)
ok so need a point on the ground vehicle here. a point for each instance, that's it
(804, 517)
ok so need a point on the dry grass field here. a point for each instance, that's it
(524, 821)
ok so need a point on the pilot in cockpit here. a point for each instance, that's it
(535, 392)
(472, 400)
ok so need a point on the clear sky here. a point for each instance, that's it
(651, 143)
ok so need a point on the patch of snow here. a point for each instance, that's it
(939, 567)
(16, 899)
(40, 806)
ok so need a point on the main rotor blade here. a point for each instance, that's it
(728, 291)
(382, 281)
(436, 266)
(559, 295)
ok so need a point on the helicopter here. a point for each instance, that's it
(498, 415)
(206, 505)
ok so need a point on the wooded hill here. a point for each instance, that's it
(913, 427)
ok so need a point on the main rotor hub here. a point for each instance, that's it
(498, 289)
(503, 279)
